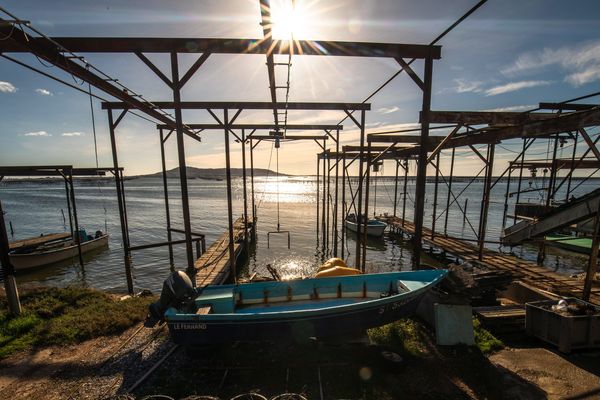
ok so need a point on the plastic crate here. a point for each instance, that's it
(564, 331)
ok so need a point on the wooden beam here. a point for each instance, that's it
(486, 117)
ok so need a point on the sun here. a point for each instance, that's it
(288, 20)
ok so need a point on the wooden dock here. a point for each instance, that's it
(526, 271)
(214, 267)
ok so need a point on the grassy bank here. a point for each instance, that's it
(53, 316)
(408, 337)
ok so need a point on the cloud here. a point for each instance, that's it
(7, 87)
(514, 86)
(387, 110)
(37, 133)
(44, 92)
(72, 134)
(465, 86)
(590, 74)
(582, 63)
(524, 107)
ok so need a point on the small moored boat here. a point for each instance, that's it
(53, 251)
(374, 227)
(289, 310)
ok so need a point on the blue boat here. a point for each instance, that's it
(295, 310)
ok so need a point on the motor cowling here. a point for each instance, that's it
(177, 291)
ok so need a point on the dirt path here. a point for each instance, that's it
(90, 370)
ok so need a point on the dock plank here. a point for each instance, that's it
(527, 271)
(214, 267)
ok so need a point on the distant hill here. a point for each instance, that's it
(210, 173)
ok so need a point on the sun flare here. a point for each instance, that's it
(289, 20)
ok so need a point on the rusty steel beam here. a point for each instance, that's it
(18, 41)
(244, 105)
(567, 106)
(486, 117)
(226, 46)
(300, 127)
(288, 137)
(416, 139)
(267, 26)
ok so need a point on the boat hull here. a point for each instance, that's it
(372, 229)
(37, 259)
(293, 311)
(192, 333)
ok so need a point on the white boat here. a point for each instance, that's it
(374, 227)
(53, 252)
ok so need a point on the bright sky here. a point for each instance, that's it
(508, 56)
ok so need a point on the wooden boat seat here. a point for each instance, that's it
(204, 309)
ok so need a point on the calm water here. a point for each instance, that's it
(35, 207)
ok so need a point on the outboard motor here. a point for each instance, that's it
(177, 291)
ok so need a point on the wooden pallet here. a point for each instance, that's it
(527, 271)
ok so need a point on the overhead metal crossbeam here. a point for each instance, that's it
(567, 106)
(415, 139)
(261, 127)
(560, 164)
(485, 117)
(289, 137)
(16, 40)
(242, 105)
(355, 155)
(52, 170)
(227, 46)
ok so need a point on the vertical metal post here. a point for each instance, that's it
(8, 271)
(506, 195)
(572, 165)
(245, 189)
(75, 219)
(435, 193)
(328, 196)
(520, 178)
(551, 182)
(252, 185)
(166, 192)
(405, 191)
(318, 196)
(335, 207)
(465, 211)
(344, 213)
(232, 260)
(68, 193)
(366, 213)
(422, 164)
(359, 190)
(324, 211)
(126, 253)
(592, 266)
(486, 199)
(450, 178)
(185, 204)
(396, 187)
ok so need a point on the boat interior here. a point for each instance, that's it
(308, 294)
